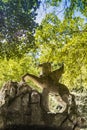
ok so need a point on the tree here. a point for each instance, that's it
(17, 26)
(53, 41)
(64, 41)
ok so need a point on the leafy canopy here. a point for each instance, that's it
(64, 41)
(54, 40)
(17, 26)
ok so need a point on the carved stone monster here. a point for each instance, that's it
(49, 82)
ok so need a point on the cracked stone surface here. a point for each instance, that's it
(21, 105)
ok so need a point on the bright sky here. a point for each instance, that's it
(43, 10)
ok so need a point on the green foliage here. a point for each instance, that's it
(64, 41)
(17, 26)
(15, 69)
(54, 41)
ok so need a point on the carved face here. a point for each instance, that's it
(46, 67)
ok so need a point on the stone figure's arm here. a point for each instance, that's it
(36, 80)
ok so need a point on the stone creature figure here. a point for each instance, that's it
(49, 82)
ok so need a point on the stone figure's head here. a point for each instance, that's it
(45, 68)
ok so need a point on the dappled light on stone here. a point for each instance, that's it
(22, 107)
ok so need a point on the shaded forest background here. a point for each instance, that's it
(24, 43)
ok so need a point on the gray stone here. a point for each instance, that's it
(20, 105)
